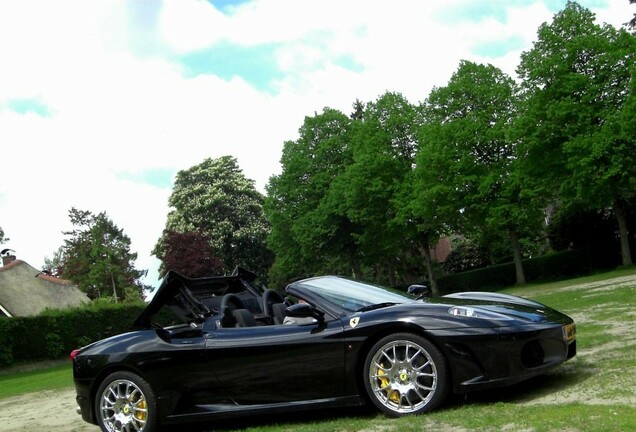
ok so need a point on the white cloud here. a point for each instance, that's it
(188, 25)
(118, 100)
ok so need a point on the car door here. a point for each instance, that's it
(278, 363)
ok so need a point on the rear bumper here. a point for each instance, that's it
(84, 409)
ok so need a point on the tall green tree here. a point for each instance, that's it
(383, 145)
(216, 200)
(308, 234)
(577, 82)
(465, 168)
(97, 258)
(419, 211)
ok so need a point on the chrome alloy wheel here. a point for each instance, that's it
(123, 407)
(403, 376)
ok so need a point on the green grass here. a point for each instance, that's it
(594, 392)
(49, 378)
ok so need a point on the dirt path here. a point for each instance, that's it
(52, 410)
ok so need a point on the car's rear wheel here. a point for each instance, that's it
(405, 374)
(125, 402)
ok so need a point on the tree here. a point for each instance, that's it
(578, 86)
(190, 254)
(97, 258)
(423, 220)
(383, 146)
(217, 201)
(632, 23)
(54, 265)
(465, 167)
(309, 235)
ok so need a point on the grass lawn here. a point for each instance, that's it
(595, 391)
(13, 383)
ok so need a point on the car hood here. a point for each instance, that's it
(469, 310)
(184, 296)
(515, 307)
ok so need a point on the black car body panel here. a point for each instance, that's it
(201, 368)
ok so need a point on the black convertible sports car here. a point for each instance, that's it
(238, 348)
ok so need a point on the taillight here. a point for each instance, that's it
(74, 354)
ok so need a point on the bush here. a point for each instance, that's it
(6, 346)
(485, 279)
(466, 256)
(546, 267)
(54, 334)
(54, 345)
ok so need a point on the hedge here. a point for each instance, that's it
(554, 266)
(54, 334)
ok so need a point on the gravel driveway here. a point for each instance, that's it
(51, 410)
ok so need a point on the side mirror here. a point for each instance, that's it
(420, 291)
(304, 310)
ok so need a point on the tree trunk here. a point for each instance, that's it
(112, 279)
(429, 270)
(624, 233)
(355, 267)
(426, 252)
(391, 276)
(516, 250)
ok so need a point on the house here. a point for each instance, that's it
(26, 291)
(441, 250)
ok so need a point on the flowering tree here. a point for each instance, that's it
(216, 200)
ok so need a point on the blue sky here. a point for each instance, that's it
(101, 103)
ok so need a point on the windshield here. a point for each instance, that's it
(352, 295)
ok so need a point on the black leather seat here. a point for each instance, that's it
(228, 319)
(244, 318)
(230, 303)
(271, 308)
(278, 310)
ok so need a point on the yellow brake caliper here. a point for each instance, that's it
(393, 395)
(141, 415)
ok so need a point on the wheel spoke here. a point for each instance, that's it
(422, 367)
(408, 400)
(418, 393)
(389, 359)
(410, 359)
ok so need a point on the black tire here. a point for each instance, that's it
(405, 374)
(125, 402)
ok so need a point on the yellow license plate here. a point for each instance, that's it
(569, 332)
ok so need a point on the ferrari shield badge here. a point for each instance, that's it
(354, 322)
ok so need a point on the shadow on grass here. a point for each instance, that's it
(554, 381)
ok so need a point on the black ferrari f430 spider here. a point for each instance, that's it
(233, 348)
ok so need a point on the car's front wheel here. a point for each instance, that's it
(405, 374)
(125, 402)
